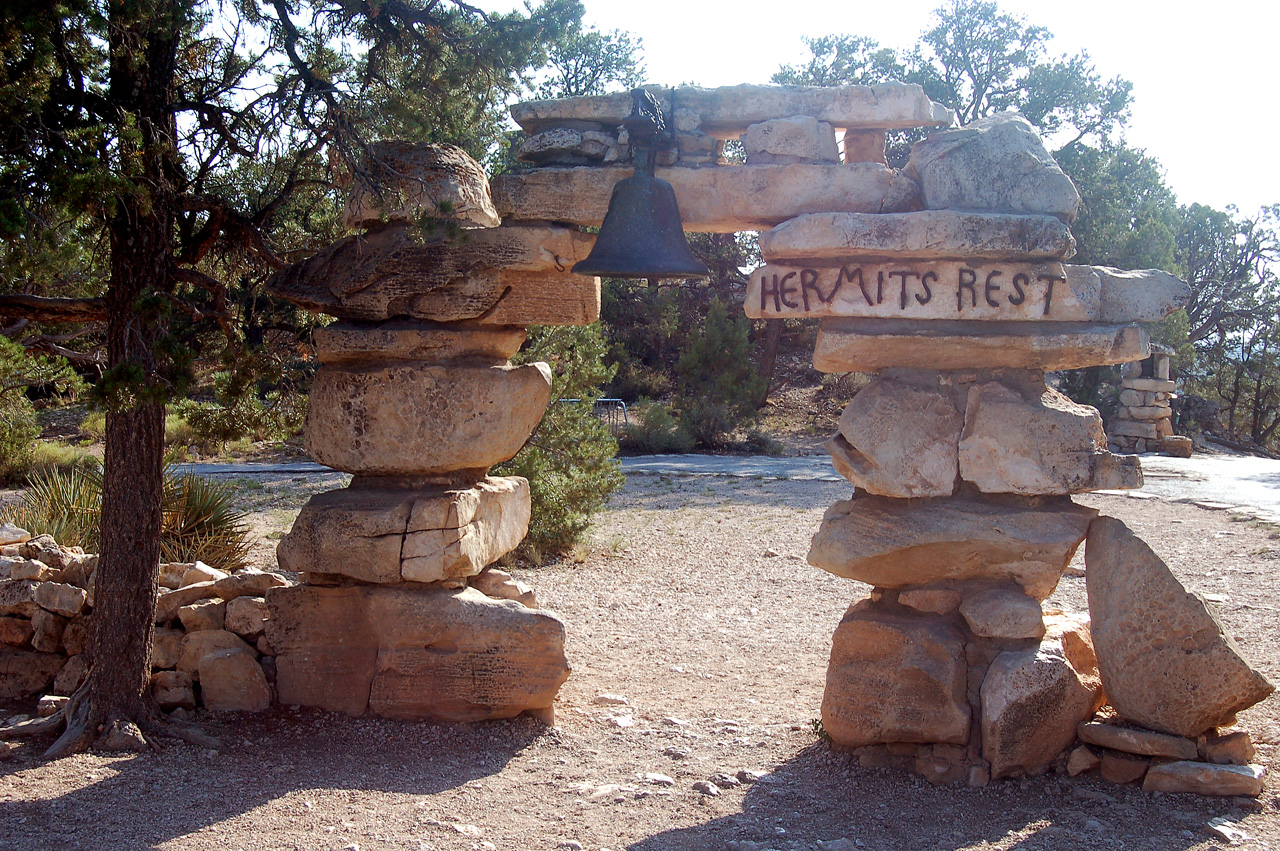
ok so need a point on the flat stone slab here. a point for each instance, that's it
(921, 235)
(1201, 778)
(894, 543)
(723, 199)
(726, 112)
(1139, 295)
(1140, 742)
(409, 339)
(870, 345)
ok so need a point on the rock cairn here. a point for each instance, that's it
(416, 397)
(1143, 423)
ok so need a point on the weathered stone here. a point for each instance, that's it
(1032, 446)
(390, 273)
(408, 339)
(407, 417)
(78, 635)
(1131, 397)
(1201, 778)
(15, 631)
(205, 614)
(166, 647)
(61, 599)
(870, 345)
(49, 704)
(18, 597)
(201, 572)
(1152, 385)
(1002, 613)
(11, 534)
(921, 235)
(170, 575)
(412, 180)
(1081, 760)
(197, 645)
(168, 604)
(414, 652)
(997, 164)
(386, 536)
(1140, 295)
(799, 139)
(1131, 428)
(938, 601)
(26, 672)
(172, 689)
(1032, 700)
(1123, 768)
(728, 111)
(894, 543)
(564, 145)
(1234, 748)
(249, 582)
(895, 678)
(232, 680)
(1166, 661)
(1134, 741)
(718, 200)
(78, 569)
(864, 146)
(47, 631)
(37, 571)
(1149, 413)
(72, 675)
(503, 586)
(938, 290)
(246, 616)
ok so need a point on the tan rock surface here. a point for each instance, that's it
(15, 631)
(412, 180)
(46, 631)
(899, 439)
(1165, 659)
(205, 614)
(1002, 613)
(894, 543)
(1140, 295)
(232, 680)
(920, 235)
(409, 339)
(938, 601)
(72, 675)
(26, 672)
(870, 345)
(895, 678)
(1123, 768)
(1234, 748)
(1201, 778)
(18, 597)
(173, 690)
(246, 616)
(11, 534)
(166, 647)
(197, 645)
(167, 605)
(407, 417)
(248, 582)
(797, 139)
(1032, 700)
(1134, 741)
(724, 199)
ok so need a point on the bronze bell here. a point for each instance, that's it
(642, 236)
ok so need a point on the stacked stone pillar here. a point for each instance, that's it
(1144, 420)
(416, 397)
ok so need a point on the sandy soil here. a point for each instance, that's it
(696, 608)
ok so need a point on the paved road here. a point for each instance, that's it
(1227, 479)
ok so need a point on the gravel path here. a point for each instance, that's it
(697, 609)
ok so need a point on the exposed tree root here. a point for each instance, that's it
(79, 733)
(34, 727)
(189, 733)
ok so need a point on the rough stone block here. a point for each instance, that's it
(26, 672)
(415, 340)
(1002, 613)
(47, 631)
(1201, 778)
(799, 139)
(18, 597)
(411, 180)
(232, 680)
(15, 631)
(197, 645)
(1135, 741)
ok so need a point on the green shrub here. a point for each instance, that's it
(277, 416)
(199, 520)
(177, 431)
(94, 424)
(52, 455)
(18, 431)
(719, 388)
(570, 460)
(655, 431)
(762, 443)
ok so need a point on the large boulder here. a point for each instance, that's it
(895, 678)
(26, 672)
(1166, 661)
(893, 543)
(414, 652)
(232, 680)
(995, 164)
(1033, 700)
(408, 181)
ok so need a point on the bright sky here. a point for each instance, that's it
(1204, 74)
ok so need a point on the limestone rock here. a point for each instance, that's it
(26, 672)
(1134, 741)
(390, 273)
(1081, 760)
(1166, 661)
(248, 582)
(172, 689)
(166, 647)
(565, 145)
(503, 586)
(1130, 428)
(1234, 748)
(995, 164)
(870, 345)
(1140, 295)
(1032, 700)
(921, 235)
(725, 199)
(414, 652)
(411, 180)
(11, 534)
(72, 675)
(728, 111)
(232, 680)
(59, 598)
(47, 631)
(77, 636)
(1204, 779)
(898, 439)
(201, 572)
(1002, 613)
(1152, 385)
(78, 569)
(418, 418)
(246, 616)
(895, 678)
(386, 536)
(894, 543)
(15, 631)
(170, 575)
(799, 139)
(205, 614)
(1032, 446)
(18, 597)
(168, 604)
(197, 645)
(409, 339)
(938, 601)
(1123, 768)
(37, 571)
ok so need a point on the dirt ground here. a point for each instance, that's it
(697, 609)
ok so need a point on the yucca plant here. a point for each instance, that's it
(199, 522)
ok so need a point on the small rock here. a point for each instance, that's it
(15, 631)
(707, 788)
(233, 680)
(49, 704)
(747, 776)
(36, 571)
(202, 615)
(724, 781)
(173, 690)
(467, 829)
(6, 751)
(1205, 779)
(11, 534)
(1228, 831)
(1081, 760)
(571, 844)
(659, 779)
(1122, 768)
(71, 677)
(123, 736)
(170, 575)
(249, 582)
(979, 776)
(1140, 742)
(246, 616)
(1231, 749)
(622, 721)
(61, 599)
(771, 553)
(166, 647)
(676, 753)
(610, 700)
(47, 629)
(1001, 613)
(201, 572)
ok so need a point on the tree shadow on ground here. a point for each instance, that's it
(823, 796)
(665, 492)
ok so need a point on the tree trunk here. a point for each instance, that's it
(768, 358)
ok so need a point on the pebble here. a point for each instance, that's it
(466, 829)
(707, 788)
(622, 721)
(611, 700)
(659, 779)
(571, 844)
(751, 776)
(676, 753)
(724, 781)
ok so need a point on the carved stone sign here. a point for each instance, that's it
(946, 289)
